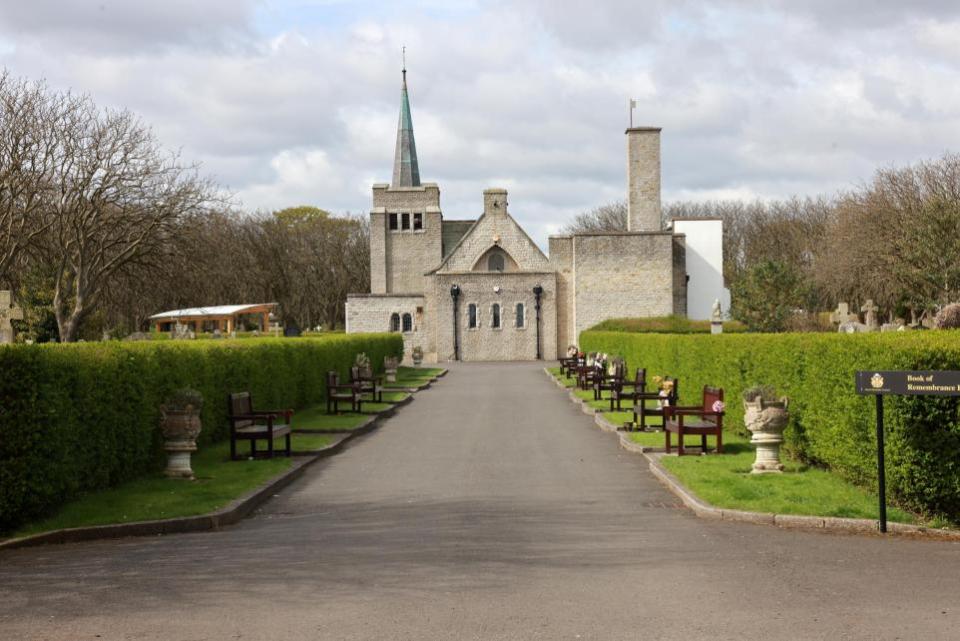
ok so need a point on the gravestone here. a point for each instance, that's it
(870, 315)
(8, 312)
(181, 332)
(217, 334)
(852, 327)
(842, 315)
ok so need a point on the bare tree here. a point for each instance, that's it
(29, 115)
(119, 197)
(609, 217)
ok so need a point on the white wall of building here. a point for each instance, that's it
(704, 241)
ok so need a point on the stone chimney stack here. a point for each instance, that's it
(494, 202)
(643, 179)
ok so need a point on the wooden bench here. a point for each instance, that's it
(247, 424)
(629, 390)
(607, 381)
(372, 385)
(568, 366)
(640, 399)
(696, 419)
(338, 392)
(586, 371)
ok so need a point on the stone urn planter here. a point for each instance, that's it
(390, 365)
(180, 425)
(766, 417)
(417, 356)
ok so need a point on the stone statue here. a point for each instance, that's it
(716, 315)
(8, 312)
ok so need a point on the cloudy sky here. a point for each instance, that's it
(295, 101)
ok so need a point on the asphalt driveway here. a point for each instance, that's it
(489, 508)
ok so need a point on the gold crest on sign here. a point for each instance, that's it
(876, 381)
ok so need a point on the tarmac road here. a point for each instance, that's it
(489, 508)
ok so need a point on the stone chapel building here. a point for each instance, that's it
(481, 289)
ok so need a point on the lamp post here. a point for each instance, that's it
(455, 294)
(537, 293)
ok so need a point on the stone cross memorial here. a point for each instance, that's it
(8, 312)
(870, 315)
(842, 315)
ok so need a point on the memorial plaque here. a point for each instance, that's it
(909, 383)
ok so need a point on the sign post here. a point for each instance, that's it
(901, 383)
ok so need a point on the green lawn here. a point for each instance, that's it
(419, 372)
(316, 419)
(567, 382)
(219, 481)
(725, 481)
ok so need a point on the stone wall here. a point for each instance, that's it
(485, 343)
(622, 275)
(371, 313)
(561, 260)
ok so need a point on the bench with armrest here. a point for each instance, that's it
(568, 366)
(642, 411)
(607, 380)
(704, 419)
(628, 390)
(338, 392)
(586, 372)
(372, 384)
(253, 425)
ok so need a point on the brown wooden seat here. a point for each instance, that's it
(696, 419)
(247, 424)
(607, 381)
(642, 411)
(338, 392)
(628, 390)
(586, 371)
(372, 385)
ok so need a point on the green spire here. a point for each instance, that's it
(406, 171)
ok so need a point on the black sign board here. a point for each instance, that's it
(904, 383)
(901, 383)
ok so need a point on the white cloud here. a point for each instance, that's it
(296, 102)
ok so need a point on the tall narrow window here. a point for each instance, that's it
(404, 222)
(519, 314)
(395, 322)
(472, 316)
(417, 222)
(407, 323)
(495, 262)
(495, 316)
(393, 222)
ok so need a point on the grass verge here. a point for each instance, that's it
(725, 480)
(219, 481)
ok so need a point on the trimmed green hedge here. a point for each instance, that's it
(664, 325)
(830, 425)
(81, 417)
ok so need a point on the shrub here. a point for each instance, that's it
(664, 325)
(948, 317)
(81, 417)
(830, 425)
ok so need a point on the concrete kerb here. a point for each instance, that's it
(706, 511)
(232, 513)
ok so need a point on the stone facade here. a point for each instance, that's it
(416, 258)
(643, 179)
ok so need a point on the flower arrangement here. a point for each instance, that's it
(718, 407)
(665, 386)
(572, 351)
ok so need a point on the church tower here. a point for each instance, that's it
(405, 222)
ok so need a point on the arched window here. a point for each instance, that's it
(407, 323)
(495, 262)
(395, 322)
(472, 316)
(495, 316)
(520, 318)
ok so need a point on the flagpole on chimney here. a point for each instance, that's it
(630, 102)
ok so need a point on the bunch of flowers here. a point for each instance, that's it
(718, 407)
